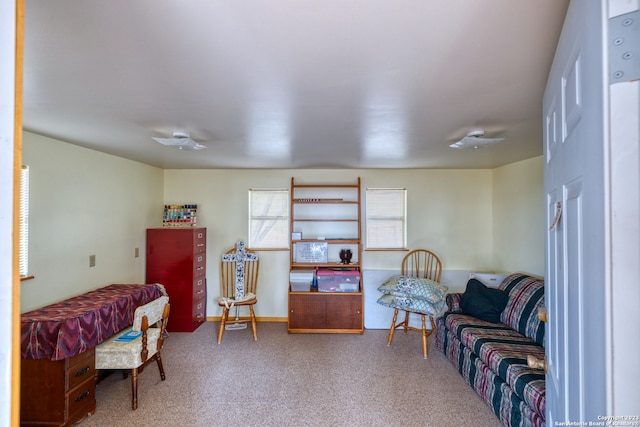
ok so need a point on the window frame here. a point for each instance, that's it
(373, 217)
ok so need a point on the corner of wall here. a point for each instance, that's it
(518, 217)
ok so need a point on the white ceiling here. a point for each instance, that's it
(292, 83)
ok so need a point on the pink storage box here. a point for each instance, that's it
(338, 280)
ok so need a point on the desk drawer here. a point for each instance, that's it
(58, 392)
(81, 367)
(81, 400)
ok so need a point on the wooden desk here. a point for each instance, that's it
(58, 357)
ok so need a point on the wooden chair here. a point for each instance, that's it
(424, 264)
(134, 355)
(238, 282)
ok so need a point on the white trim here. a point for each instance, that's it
(7, 124)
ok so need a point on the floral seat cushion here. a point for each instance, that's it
(114, 354)
(416, 305)
(414, 294)
(414, 287)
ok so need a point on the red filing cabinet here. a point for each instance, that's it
(177, 259)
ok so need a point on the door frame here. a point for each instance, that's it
(11, 72)
(623, 316)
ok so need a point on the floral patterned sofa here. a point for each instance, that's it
(492, 356)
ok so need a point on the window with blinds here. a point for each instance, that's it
(268, 218)
(24, 222)
(386, 218)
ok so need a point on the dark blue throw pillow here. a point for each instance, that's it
(482, 302)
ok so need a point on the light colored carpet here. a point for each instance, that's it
(293, 380)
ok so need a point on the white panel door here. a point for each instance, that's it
(576, 282)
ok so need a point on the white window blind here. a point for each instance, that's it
(24, 222)
(268, 218)
(386, 218)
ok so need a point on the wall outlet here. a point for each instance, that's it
(92, 260)
(136, 253)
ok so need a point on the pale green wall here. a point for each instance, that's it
(449, 211)
(83, 202)
(518, 217)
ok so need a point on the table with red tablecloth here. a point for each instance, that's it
(72, 326)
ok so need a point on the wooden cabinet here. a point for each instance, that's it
(177, 259)
(57, 393)
(325, 219)
(325, 312)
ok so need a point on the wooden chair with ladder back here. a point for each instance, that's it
(238, 283)
(424, 264)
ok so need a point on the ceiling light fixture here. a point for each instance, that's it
(181, 141)
(474, 139)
